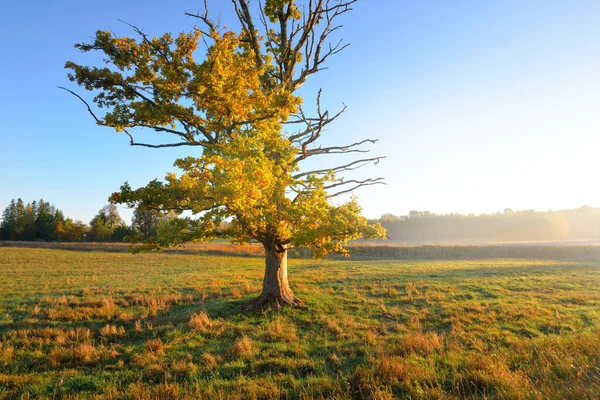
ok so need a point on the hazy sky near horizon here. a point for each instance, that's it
(478, 105)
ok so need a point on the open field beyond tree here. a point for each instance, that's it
(116, 325)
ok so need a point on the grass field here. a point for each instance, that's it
(377, 250)
(116, 325)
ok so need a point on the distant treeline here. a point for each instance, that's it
(42, 221)
(508, 226)
(38, 220)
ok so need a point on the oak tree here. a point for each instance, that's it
(234, 96)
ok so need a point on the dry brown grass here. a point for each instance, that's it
(420, 343)
(70, 309)
(209, 360)
(370, 338)
(112, 332)
(107, 308)
(243, 347)
(200, 321)
(166, 391)
(80, 334)
(6, 353)
(392, 292)
(394, 370)
(182, 368)
(154, 303)
(155, 346)
(349, 322)
(333, 327)
(85, 353)
(411, 290)
(278, 329)
(59, 355)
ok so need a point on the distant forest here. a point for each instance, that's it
(42, 221)
(419, 227)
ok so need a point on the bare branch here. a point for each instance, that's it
(347, 167)
(148, 41)
(314, 128)
(241, 7)
(313, 57)
(207, 21)
(340, 182)
(314, 125)
(356, 187)
(363, 182)
(131, 140)
(158, 146)
(188, 137)
(98, 121)
(335, 150)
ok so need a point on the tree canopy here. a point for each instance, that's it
(238, 103)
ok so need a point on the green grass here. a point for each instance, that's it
(116, 325)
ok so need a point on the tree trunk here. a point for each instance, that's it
(276, 290)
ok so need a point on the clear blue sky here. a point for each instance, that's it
(479, 105)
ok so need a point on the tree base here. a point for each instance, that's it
(269, 302)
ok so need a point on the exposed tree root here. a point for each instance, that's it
(269, 302)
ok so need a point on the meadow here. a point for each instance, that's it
(108, 325)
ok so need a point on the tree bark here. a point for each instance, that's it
(276, 291)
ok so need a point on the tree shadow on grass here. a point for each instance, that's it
(170, 326)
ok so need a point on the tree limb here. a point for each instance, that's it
(159, 146)
(98, 121)
(207, 21)
(356, 187)
(249, 28)
(131, 140)
(347, 167)
(335, 150)
(368, 181)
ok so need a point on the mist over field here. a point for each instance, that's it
(563, 226)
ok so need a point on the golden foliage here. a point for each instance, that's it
(234, 104)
